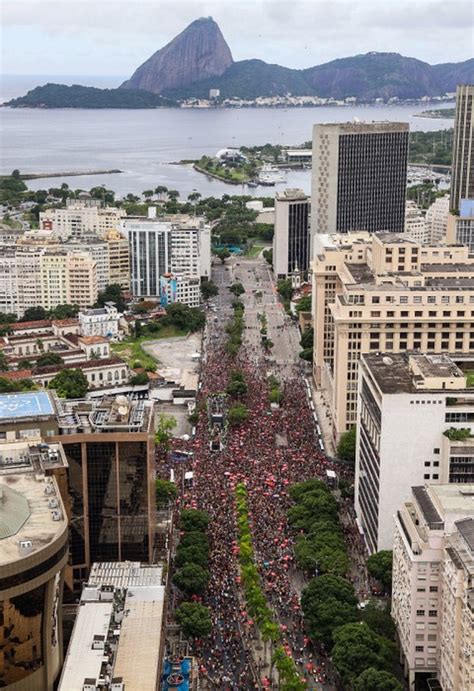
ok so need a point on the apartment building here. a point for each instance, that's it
(292, 237)
(359, 177)
(431, 399)
(99, 252)
(67, 278)
(384, 293)
(8, 280)
(462, 181)
(80, 218)
(178, 246)
(119, 259)
(433, 580)
(436, 220)
(415, 226)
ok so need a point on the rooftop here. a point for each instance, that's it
(40, 324)
(427, 507)
(454, 499)
(290, 195)
(466, 529)
(14, 406)
(93, 340)
(106, 414)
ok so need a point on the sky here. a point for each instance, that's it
(113, 37)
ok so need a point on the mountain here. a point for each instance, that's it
(450, 74)
(62, 96)
(199, 52)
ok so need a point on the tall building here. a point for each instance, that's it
(415, 226)
(433, 586)
(67, 277)
(359, 177)
(109, 446)
(462, 178)
(436, 220)
(125, 594)
(81, 218)
(178, 246)
(33, 551)
(430, 399)
(8, 280)
(384, 293)
(460, 227)
(291, 238)
(99, 251)
(119, 259)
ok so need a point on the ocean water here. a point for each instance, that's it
(147, 144)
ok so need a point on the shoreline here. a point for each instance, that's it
(69, 174)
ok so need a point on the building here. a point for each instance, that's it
(359, 177)
(67, 278)
(33, 551)
(8, 280)
(119, 259)
(433, 580)
(436, 220)
(99, 251)
(109, 446)
(384, 293)
(81, 218)
(415, 226)
(460, 227)
(430, 398)
(29, 277)
(117, 641)
(462, 178)
(100, 321)
(291, 238)
(158, 247)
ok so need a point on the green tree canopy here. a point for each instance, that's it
(379, 565)
(163, 434)
(193, 520)
(70, 383)
(33, 314)
(3, 362)
(222, 254)
(237, 414)
(373, 679)
(193, 554)
(194, 619)
(208, 289)
(376, 614)
(8, 386)
(285, 288)
(357, 647)
(346, 449)
(50, 358)
(112, 293)
(328, 602)
(64, 311)
(184, 317)
(192, 579)
(193, 538)
(237, 289)
(165, 491)
(304, 305)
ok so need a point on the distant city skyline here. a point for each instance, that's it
(113, 37)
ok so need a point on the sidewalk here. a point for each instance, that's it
(323, 419)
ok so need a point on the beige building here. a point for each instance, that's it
(436, 220)
(415, 226)
(384, 293)
(79, 219)
(33, 557)
(433, 585)
(81, 276)
(119, 259)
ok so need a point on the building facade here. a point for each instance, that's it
(432, 591)
(81, 218)
(462, 179)
(436, 220)
(292, 237)
(100, 321)
(415, 226)
(359, 177)
(384, 293)
(428, 397)
(460, 228)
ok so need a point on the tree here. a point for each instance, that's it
(3, 362)
(70, 383)
(16, 174)
(237, 414)
(285, 288)
(139, 379)
(112, 293)
(161, 190)
(8, 386)
(64, 311)
(223, 254)
(346, 449)
(148, 194)
(208, 289)
(357, 647)
(48, 359)
(306, 354)
(193, 554)
(376, 614)
(373, 679)
(173, 195)
(268, 256)
(304, 305)
(163, 434)
(165, 491)
(33, 314)
(194, 619)
(184, 317)
(194, 196)
(192, 538)
(194, 520)
(237, 289)
(328, 602)
(379, 565)
(192, 579)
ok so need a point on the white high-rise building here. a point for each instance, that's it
(415, 226)
(436, 220)
(433, 585)
(99, 251)
(78, 220)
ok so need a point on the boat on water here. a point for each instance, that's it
(269, 175)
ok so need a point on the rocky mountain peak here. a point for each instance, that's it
(197, 53)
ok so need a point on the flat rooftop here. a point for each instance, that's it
(455, 499)
(125, 574)
(14, 406)
(31, 515)
(105, 414)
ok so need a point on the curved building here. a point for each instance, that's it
(33, 556)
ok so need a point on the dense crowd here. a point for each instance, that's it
(273, 449)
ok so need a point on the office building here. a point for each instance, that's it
(462, 178)
(109, 446)
(384, 293)
(160, 247)
(81, 217)
(117, 641)
(359, 177)
(415, 226)
(33, 552)
(433, 586)
(460, 227)
(436, 220)
(291, 238)
(429, 397)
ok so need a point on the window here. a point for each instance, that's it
(403, 299)
(436, 451)
(433, 613)
(426, 476)
(427, 464)
(419, 648)
(433, 588)
(420, 612)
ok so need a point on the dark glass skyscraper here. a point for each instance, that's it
(359, 177)
(291, 239)
(462, 180)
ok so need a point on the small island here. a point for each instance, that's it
(439, 113)
(76, 96)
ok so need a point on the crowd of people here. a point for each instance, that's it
(272, 450)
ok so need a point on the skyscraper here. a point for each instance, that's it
(462, 181)
(359, 177)
(291, 240)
